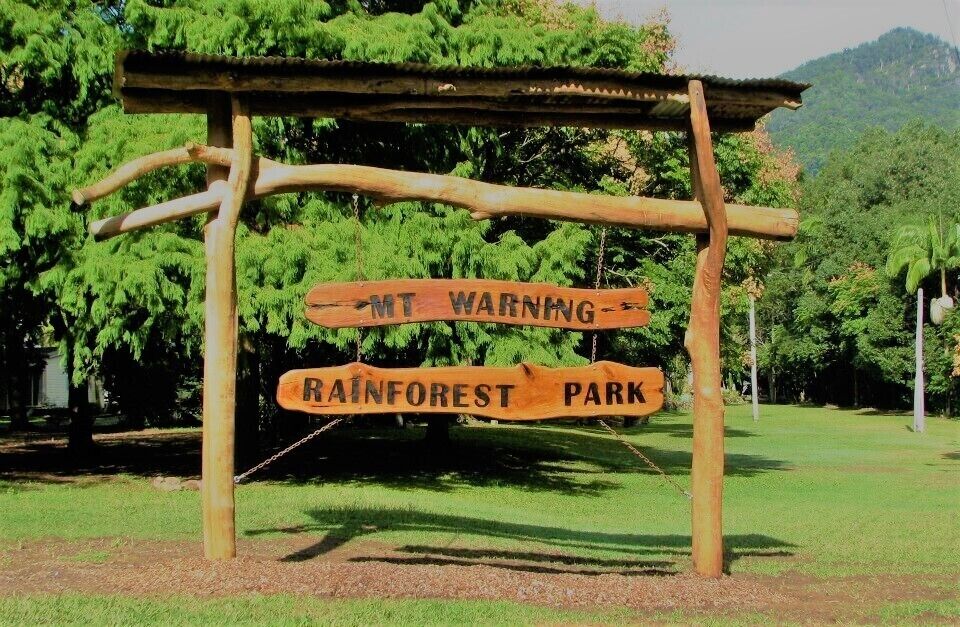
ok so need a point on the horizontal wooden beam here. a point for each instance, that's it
(464, 112)
(169, 211)
(132, 171)
(483, 200)
(261, 81)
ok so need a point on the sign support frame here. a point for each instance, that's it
(229, 112)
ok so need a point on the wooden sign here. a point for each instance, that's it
(378, 303)
(524, 392)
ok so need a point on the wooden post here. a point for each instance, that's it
(703, 344)
(753, 359)
(220, 336)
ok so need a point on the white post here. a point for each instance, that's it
(918, 417)
(753, 360)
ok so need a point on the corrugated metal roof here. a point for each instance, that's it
(143, 60)
(414, 92)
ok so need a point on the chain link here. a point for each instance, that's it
(358, 257)
(645, 459)
(330, 425)
(601, 255)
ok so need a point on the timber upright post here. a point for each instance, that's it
(228, 124)
(703, 345)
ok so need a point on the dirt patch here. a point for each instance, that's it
(370, 569)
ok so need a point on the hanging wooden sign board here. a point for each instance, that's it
(378, 303)
(524, 392)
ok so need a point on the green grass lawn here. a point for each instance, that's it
(821, 492)
(284, 610)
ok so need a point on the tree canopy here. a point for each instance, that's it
(838, 329)
(131, 310)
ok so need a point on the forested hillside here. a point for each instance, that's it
(902, 76)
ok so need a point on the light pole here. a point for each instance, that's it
(919, 421)
(753, 359)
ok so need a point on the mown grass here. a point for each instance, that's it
(929, 611)
(821, 492)
(84, 609)
(283, 610)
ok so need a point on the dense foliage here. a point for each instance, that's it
(130, 310)
(836, 327)
(902, 76)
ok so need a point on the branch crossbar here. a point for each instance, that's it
(483, 200)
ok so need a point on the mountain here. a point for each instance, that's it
(903, 75)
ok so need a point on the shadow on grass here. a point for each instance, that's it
(684, 430)
(139, 453)
(569, 460)
(874, 412)
(636, 554)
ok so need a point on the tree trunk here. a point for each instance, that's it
(80, 433)
(856, 388)
(17, 381)
(247, 434)
(19, 421)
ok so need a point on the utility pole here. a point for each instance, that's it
(919, 421)
(753, 359)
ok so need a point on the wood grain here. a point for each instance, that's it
(220, 345)
(380, 303)
(483, 200)
(489, 91)
(524, 392)
(147, 100)
(703, 345)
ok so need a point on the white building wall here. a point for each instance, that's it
(54, 387)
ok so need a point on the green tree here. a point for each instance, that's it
(924, 250)
(55, 69)
(830, 324)
(131, 308)
(35, 232)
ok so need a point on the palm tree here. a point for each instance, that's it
(924, 251)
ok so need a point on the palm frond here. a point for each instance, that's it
(903, 256)
(918, 270)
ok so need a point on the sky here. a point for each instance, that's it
(761, 38)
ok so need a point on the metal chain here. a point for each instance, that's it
(358, 257)
(645, 459)
(330, 425)
(601, 254)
